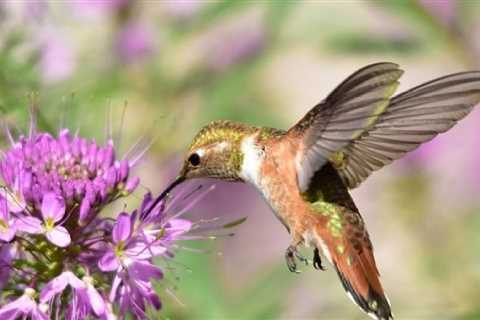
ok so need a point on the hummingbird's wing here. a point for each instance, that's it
(411, 118)
(342, 117)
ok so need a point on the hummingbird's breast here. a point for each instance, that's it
(270, 166)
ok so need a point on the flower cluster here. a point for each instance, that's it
(59, 257)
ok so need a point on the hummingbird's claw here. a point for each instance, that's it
(301, 258)
(317, 261)
(290, 259)
(290, 255)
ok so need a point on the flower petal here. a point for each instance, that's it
(122, 228)
(22, 306)
(29, 224)
(9, 312)
(139, 251)
(53, 207)
(85, 207)
(96, 300)
(37, 314)
(59, 236)
(132, 184)
(16, 203)
(117, 281)
(3, 209)
(144, 271)
(54, 287)
(7, 254)
(109, 262)
(180, 225)
(74, 281)
(8, 233)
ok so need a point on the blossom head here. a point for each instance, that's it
(57, 246)
(86, 175)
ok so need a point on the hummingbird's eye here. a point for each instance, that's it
(194, 159)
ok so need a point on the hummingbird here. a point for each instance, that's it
(305, 173)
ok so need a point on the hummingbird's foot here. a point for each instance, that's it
(301, 258)
(290, 255)
(290, 258)
(317, 261)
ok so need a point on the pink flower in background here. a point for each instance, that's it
(452, 159)
(97, 7)
(134, 42)
(183, 9)
(35, 10)
(443, 10)
(424, 154)
(57, 59)
(235, 43)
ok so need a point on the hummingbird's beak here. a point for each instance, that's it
(176, 182)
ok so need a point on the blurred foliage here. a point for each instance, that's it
(193, 62)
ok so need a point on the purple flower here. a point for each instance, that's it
(443, 10)
(54, 238)
(25, 306)
(130, 251)
(121, 233)
(87, 176)
(53, 210)
(136, 240)
(133, 292)
(86, 299)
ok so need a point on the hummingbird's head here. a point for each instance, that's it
(215, 152)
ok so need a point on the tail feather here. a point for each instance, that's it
(373, 303)
(341, 235)
(355, 266)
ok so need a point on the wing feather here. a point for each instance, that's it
(343, 116)
(411, 118)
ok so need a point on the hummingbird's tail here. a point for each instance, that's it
(370, 299)
(355, 265)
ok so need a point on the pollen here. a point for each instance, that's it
(49, 223)
(3, 225)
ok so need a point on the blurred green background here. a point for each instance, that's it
(176, 65)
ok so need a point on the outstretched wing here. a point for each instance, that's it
(342, 117)
(411, 118)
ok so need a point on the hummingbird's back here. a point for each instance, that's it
(329, 184)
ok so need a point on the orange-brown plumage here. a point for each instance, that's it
(346, 245)
(304, 173)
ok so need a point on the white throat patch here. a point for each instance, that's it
(252, 160)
